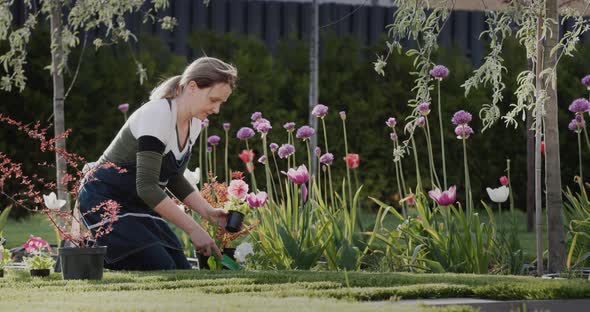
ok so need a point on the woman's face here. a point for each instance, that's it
(208, 100)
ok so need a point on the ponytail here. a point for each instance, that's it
(167, 89)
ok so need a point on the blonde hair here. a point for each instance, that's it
(205, 71)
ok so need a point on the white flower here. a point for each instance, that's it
(52, 202)
(192, 177)
(242, 251)
(498, 195)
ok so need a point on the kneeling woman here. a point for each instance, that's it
(154, 147)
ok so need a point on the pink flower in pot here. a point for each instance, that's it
(238, 189)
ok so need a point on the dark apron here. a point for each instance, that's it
(138, 227)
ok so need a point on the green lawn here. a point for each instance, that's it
(282, 290)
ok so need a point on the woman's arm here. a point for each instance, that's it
(201, 239)
(197, 203)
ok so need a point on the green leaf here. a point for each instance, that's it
(229, 263)
(213, 263)
(4, 218)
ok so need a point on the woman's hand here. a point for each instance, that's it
(204, 243)
(217, 216)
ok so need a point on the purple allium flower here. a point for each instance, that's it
(391, 122)
(579, 118)
(262, 125)
(262, 159)
(256, 116)
(439, 72)
(320, 111)
(245, 133)
(209, 149)
(205, 123)
(423, 109)
(576, 126)
(461, 118)
(124, 108)
(421, 121)
(273, 147)
(305, 132)
(579, 106)
(285, 150)
(226, 126)
(317, 151)
(586, 81)
(463, 131)
(214, 140)
(327, 158)
(343, 115)
(393, 136)
(290, 126)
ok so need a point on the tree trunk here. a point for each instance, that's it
(554, 203)
(314, 45)
(530, 165)
(58, 94)
(538, 134)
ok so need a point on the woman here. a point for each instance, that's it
(154, 147)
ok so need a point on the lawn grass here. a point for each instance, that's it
(276, 290)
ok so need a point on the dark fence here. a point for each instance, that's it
(272, 21)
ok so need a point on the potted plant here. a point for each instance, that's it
(5, 256)
(39, 260)
(80, 258)
(233, 198)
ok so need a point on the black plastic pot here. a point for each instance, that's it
(203, 265)
(234, 221)
(82, 263)
(40, 272)
(230, 252)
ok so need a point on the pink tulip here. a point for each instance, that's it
(124, 107)
(299, 175)
(445, 198)
(238, 189)
(504, 180)
(256, 200)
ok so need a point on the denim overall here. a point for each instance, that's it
(140, 239)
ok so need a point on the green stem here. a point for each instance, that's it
(347, 169)
(206, 156)
(214, 161)
(442, 139)
(225, 157)
(251, 168)
(325, 134)
(309, 185)
(431, 157)
(278, 177)
(398, 181)
(200, 162)
(331, 189)
(419, 179)
(467, 182)
(580, 153)
(269, 184)
(510, 187)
